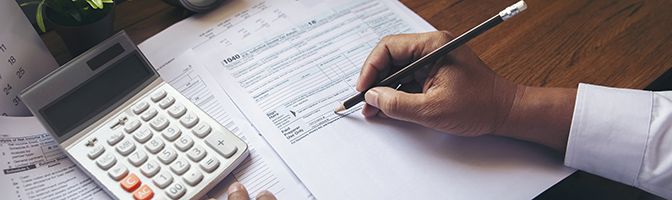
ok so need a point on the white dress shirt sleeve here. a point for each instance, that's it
(623, 135)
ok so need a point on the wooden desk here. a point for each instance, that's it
(554, 43)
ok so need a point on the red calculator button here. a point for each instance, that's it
(130, 183)
(143, 193)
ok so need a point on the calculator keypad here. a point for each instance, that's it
(156, 142)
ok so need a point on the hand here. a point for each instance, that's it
(458, 94)
(238, 192)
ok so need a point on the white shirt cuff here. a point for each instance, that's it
(609, 132)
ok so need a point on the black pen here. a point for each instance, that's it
(438, 53)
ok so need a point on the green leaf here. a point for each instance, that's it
(39, 18)
(29, 3)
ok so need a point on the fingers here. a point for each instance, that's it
(393, 103)
(265, 195)
(397, 50)
(237, 192)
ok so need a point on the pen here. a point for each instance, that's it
(396, 77)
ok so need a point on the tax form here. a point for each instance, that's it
(34, 167)
(285, 65)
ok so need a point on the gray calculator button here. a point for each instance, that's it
(189, 120)
(126, 147)
(118, 172)
(150, 168)
(163, 179)
(197, 153)
(218, 142)
(115, 138)
(138, 157)
(193, 177)
(171, 133)
(96, 151)
(177, 110)
(132, 125)
(184, 143)
(167, 155)
(201, 130)
(158, 95)
(140, 107)
(143, 135)
(106, 161)
(180, 166)
(159, 123)
(166, 102)
(150, 114)
(176, 191)
(155, 145)
(209, 164)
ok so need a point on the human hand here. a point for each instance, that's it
(458, 94)
(238, 192)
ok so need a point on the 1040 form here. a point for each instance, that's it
(134, 134)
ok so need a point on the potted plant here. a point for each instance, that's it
(80, 23)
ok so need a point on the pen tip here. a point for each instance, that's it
(339, 109)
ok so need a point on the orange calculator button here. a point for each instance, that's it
(130, 183)
(144, 193)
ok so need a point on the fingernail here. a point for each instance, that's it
(264, 193)
(371, 97)
(235, 187)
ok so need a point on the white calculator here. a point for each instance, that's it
(131, 132)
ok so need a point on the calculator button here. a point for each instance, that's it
(166, 102)
(96, 151)
(130, 182)
(159, 123)
(132, 125)
(180, 166)
(106, 161)
(171, 133)
(150, 168)
(163, 179)
(197, 153)
(176, 191)
(193, 177)
(115, 138)
(155, 145)
(189, 120)
(202, 130)
(138, 157)
(140, 107)
(158, 95)
(143, 193)
(126, 147)
(143, 135)
(177, 110)
(118, 171)
(218, 142)
(167, 155)
(209, 164)
(150, 114)
(184, 143)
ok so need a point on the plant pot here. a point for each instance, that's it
(79, 38)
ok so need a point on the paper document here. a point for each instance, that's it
(285, 65)
(263, 169)
(34, 167)
(23, 58)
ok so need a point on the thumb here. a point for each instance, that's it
(394, 103)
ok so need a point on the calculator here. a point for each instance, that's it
(132, 133)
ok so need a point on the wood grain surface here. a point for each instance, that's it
(558, 43)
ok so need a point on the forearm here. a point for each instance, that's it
(540, 115)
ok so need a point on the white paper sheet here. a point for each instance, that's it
(34, 167)
(343, 157)
(263, 170)
(23, 58)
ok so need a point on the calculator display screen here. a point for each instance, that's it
(96, 94)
